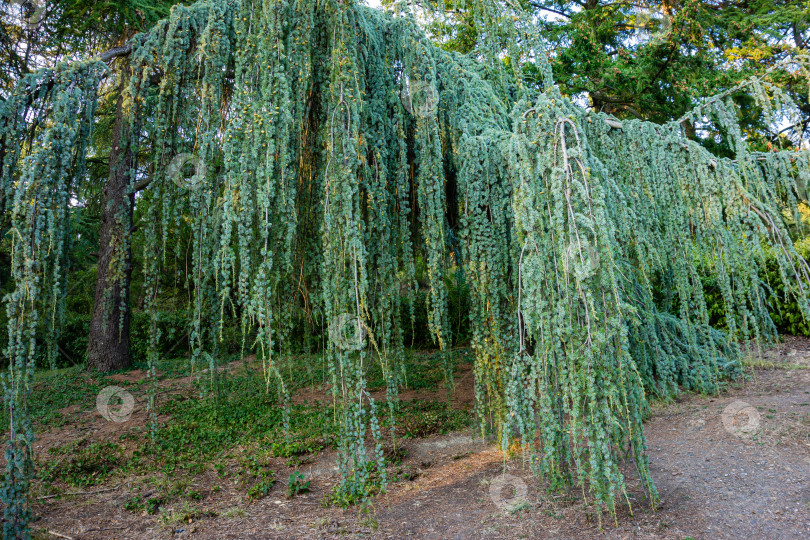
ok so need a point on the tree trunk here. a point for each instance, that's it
(108, 342)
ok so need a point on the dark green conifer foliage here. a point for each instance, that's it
(327, 138)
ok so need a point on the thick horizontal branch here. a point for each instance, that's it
(142, 184)
(115, 52)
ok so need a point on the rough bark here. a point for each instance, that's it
(108, 341)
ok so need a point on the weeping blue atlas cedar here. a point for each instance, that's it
(339, 148)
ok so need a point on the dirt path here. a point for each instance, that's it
(731, 466)
(743, 476)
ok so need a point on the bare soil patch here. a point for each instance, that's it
(717, 476)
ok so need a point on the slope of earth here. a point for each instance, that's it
(736, 465)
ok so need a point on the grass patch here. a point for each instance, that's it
(82, 464)
(759, 363)
(234, 512)
(233, 431)
(185, 513)
(58, 389)
(418, 419)
(262, 487)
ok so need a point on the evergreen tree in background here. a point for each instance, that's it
(654, 60)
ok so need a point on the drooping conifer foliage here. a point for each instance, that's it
(38, 166)
(334, 149)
